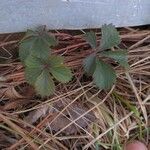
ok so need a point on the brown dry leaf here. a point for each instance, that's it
(11, 93)
(15, 92)
(60, 123)
(6, 139)
(15, 104)
(36, 114)
(25, 90)
(74, 111)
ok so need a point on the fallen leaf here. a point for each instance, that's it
(74, 111)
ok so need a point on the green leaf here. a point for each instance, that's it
(49, 39)
(37, 44)
(40, 48)
(42, 33)
(25, 48)
(31, 74)
(104, 75)
(89, 64)
(91, 39)
(110, 37)
(58, 70)
(44, 84)
(62, 73)
(119, 56)
(56, 61)
(34, 62)
(30, 33)
(33, 68)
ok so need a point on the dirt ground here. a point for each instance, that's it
(79, 115)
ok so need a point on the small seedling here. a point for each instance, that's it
(103, 74)
(40, 66)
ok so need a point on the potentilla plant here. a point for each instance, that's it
(104, 76)
(41, 67)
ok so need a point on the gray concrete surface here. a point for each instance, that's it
(18, 15)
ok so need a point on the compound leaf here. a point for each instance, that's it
(33, 62)
(31, 74)
(110, 37)
(119, 56)
(29, 33)
(33, 68)
(89, 64)
(25, 48)
(104, 75)
(56, 61)
(40, 49)
(36, 43)
(44, 84)
(61, 73)
(91, 39)
(49, 39)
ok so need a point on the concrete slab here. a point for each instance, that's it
(18, 15)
